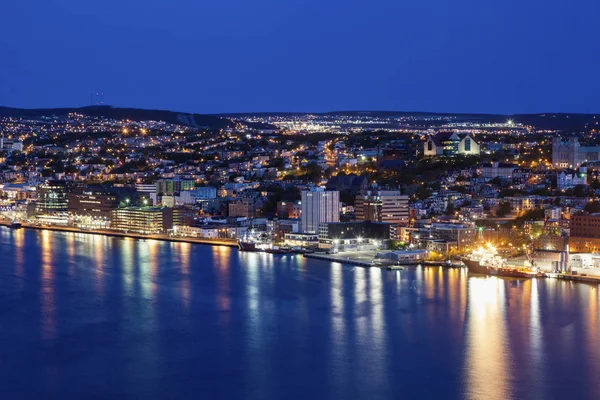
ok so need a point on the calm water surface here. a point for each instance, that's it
(86, 316)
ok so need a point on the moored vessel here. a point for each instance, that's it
(485, 261)
(15, 225)
(247, 246)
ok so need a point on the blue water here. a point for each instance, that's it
(85, 316)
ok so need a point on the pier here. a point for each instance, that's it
(166, 238)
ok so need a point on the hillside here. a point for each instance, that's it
(134, 114)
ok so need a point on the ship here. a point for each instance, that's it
(475, 267)
(485, 261)
(247, 246)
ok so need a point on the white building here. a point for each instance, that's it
(570, 154)
(496, 169)
(553, 212)
(10, 144)
(569, 178)
(194, 195)
(404, 256)
(319, 206)
(450, 144)
(196, 231)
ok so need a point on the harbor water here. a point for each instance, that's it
(86, 316)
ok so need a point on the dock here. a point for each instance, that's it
(166, 238)
(340, 259)
(367, 259)
(577, 278)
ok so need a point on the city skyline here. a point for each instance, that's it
(465, 57)
(308, 199)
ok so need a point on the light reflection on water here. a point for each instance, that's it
(487, 346)
(151, 316)
(48, 288)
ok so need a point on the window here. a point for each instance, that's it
(430, 146)
(467, 144)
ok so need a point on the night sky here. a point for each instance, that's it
(502, 56)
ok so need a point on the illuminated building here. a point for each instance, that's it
(382, 206)
(354, 235)
(458, 235)
(52, 197)
(584, 233)
(10, 145)
(318, 207)
(570, 153)
(170, 186)
(145, 220)
(289, 209)
(450, 144)
(569, 178)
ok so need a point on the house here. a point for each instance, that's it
(351, 182)
(570, 178)
(497, 169)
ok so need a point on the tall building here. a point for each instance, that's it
(318, 207)
(52, 197)
(570, 154)
(382, 206)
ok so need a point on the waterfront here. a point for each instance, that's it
(90, 316)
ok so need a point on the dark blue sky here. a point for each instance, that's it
(505, 56)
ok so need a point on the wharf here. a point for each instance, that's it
(341, 259)
(576, 278)
(367, 259)
(166, 238)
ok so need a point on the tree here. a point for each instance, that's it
(592, 207)
(503, 209)
(580, 191)
(450, 208)
(422, 193)
(595, 184)
(348, 197)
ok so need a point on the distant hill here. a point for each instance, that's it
(134, 114)
(551, 121)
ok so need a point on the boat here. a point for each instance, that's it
(275, 250)
(395, 267)
(485, 261)
(15, 225)
(247, 246)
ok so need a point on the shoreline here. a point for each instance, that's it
(234, 243)
(210, 242)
